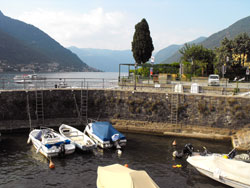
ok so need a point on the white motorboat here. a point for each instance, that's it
(27, 78)
(116, 175)
(81, 140)
(50, 143)
(234, 173)
(105, 135)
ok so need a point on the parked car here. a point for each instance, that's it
(214, 80)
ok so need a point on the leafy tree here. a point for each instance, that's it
(142, 45)
(201, 59)
(233, 53)
(241, 47)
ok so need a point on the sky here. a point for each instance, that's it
(109, 24)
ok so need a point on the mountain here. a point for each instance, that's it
(102, 59)
(167, 52)
(27, 46)
(232, 31)
(214, 40)
(173, 51)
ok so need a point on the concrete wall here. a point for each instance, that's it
(61, 106)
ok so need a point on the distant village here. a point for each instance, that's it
(50, 67)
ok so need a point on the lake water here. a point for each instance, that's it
(21, 167)
(70, 79)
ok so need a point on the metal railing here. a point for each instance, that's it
(48, 83)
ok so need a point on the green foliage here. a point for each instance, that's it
(232, 53)
(142, 45)
(158, 68)
(201, 59)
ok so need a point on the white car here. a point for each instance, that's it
(214, 80)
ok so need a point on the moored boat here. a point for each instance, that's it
(50, 143)
(105, 135)
(27, 78)
(81, 140)
(234, 173)
(116, 175)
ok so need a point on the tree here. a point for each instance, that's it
(241, 47)
(233, 53)
(142, 45)
(201, 59)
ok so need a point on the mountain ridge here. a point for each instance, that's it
(213, 41)
(104, 59)
(41, 43)
(173, 50)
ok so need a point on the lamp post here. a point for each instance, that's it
(135, 76)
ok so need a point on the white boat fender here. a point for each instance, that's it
(119, 152)
(28, 141)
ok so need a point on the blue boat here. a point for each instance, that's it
(105, 135)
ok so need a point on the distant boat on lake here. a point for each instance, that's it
(27, 78)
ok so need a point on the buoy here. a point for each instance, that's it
(51, 164)
(177, 166)
(225, 156)
(28, 141)
(119, 152)
(126, 165)
(174, 143)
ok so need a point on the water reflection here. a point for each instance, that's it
(22, 167)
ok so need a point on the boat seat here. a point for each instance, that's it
(50, 140)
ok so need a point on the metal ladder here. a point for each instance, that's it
(39, 107)
(174, 108)
(84, 106)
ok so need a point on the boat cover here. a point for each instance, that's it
(118, 176)
(235, 170)
(104, 130)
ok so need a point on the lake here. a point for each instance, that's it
(21, 167)
(69, 79)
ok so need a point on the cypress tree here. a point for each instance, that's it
(142, 45)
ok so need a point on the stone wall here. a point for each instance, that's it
(62, 106)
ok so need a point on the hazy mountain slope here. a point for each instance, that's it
(166, 53)
(105, 60)
(238, 27)
(214, 40)
(40, 42)
(172, 52)
(12, 51)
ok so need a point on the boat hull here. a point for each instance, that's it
(101, 143)
(81, 140)
(230, 172)
(53, 151)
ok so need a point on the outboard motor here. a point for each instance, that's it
(188, 149)
(116, 140)
(61, 152)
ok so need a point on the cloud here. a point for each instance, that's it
(98, 28)
(93, 29)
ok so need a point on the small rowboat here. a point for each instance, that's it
(81, 140)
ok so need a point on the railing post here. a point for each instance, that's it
(3, 83)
